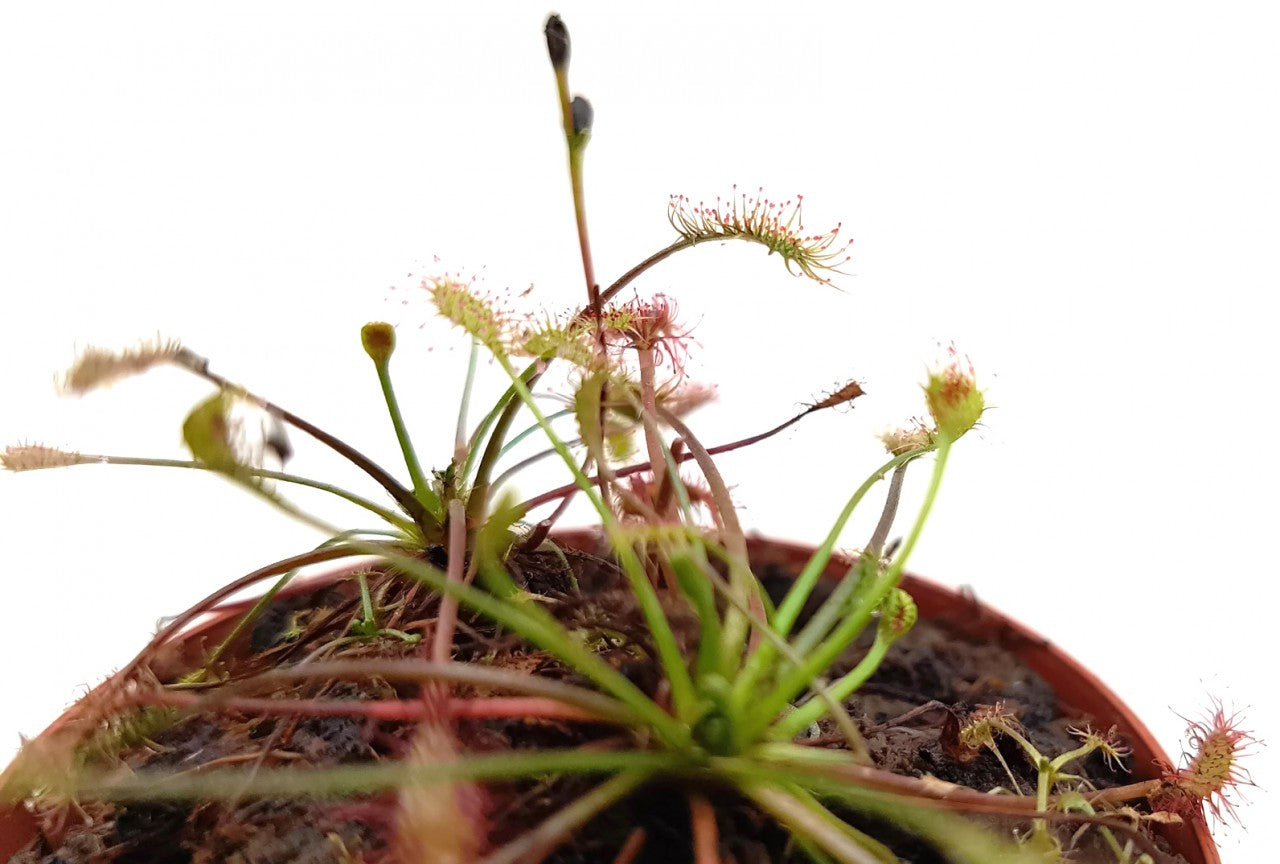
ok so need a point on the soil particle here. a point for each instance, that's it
(148, 831)
(279, 832)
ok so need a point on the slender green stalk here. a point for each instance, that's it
(389, 516)
(505, 476)
(240, 626)
(421, 486)
(526, 432)
(899, 563)
(366, 778)
(813, 710)
(833, 609)
(535, 844)
(693, 583)
(853, 739)
(669, 654)
(865, 603)
(500, 419)
(923, 809)
(806, 817)
(785, 615)
(464, 404)
(863, 572)
(734, 629)
(369, 620)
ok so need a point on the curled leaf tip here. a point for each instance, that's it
(847, 393)
(100, 367)
(777, 226)
(33, 457)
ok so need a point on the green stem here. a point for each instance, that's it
(382, 513)
(501, 417)
(931, 494)
(366, 778)
(534, 845)
(785, 615)
(421, 487)
(804, 816)
(853, 739)
(815, 709)
(464, 405)
(669, 654)
(734, 630)
(865, 603)
(576, 152)
(369, 621)
(1040, 826)
(526, 432)
(869, 562)
(528, 461)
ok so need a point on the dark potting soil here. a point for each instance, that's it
(906, 712)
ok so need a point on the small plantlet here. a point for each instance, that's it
(475, 686)
(1212, 768)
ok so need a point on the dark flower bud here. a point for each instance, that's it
(557, 43)
(583, 114)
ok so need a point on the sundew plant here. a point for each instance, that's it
(730, 681)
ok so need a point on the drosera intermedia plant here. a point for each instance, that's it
(734, 684)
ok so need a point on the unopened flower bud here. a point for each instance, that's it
(583, 114)
(379, 340)
(954, 399)
(557, 43)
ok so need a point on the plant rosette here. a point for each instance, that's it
(173, 658)
(479, 688)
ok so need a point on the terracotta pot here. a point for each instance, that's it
(1076, 687)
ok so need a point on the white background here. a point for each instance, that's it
(1083, 197)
